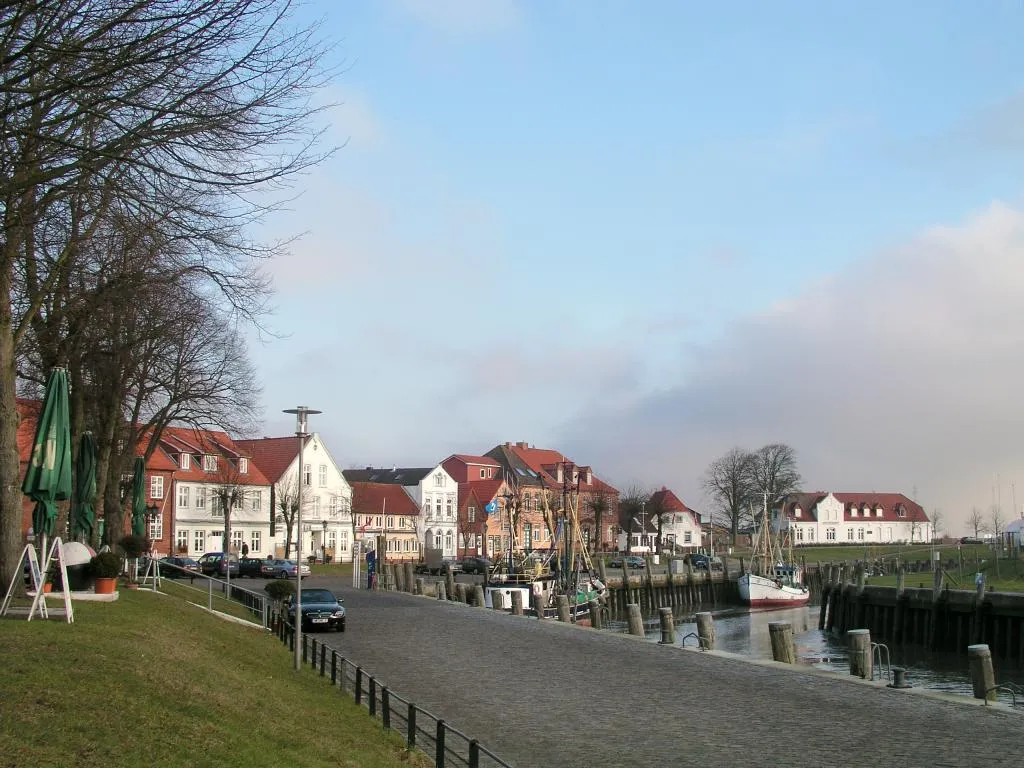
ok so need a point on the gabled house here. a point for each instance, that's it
(680, 525)
(480, 482)
(209, 470)
(544, 472)
(385, 518)
(435, 494)
(826, 517)
(327, 525)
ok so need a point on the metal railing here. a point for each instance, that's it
(876, 658)
(255, 603)
(422, 729)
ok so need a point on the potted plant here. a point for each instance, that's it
(105, 568)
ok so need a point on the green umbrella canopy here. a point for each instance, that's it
(83, 509)
(48, 477)
(139, 497)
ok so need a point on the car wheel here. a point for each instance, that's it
(281, 575)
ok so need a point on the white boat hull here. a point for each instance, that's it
(764, 591)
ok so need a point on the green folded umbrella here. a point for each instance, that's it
(83, 507)
(48, 477)
(139, 497)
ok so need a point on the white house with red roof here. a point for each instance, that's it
(680, 525)
(327, 524)
(386, 515)
(206, 462)
(481, 482)
(436, 495)
(826, 517)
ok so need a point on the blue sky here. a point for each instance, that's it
(555, 221)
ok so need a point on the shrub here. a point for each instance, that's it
(135, 546)
(105, 565)
(280, 590)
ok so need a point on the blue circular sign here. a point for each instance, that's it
(491, 508)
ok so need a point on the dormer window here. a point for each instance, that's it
(853, 512)
(243, 466)
(901, 511)
(797, 511)
(209, 462)
(185, 460)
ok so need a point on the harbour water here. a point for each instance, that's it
(745, 632)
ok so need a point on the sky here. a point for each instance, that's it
(645, 233)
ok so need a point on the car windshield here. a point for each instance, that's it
(318, 596)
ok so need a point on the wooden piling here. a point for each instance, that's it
(983, 677)
(706, 630)
(668, 628)
(419, 587)
(478, 596)
(636, 621)
(517, 603)
(410, 576)
(859, 641)
(449, 581)
(441, 591)
(595, 613)
(562, 602)
(899, 611)
(783, 648)
(538, 604)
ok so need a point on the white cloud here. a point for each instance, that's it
(905, 370)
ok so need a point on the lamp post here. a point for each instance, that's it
(323, 542)
(301, 413)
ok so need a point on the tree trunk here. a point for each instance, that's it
(11, 498)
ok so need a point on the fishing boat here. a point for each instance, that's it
(773, 580)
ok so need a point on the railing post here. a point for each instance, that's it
(313, 659)
(341, 676)
(385, 706)
(371, 695)
(474, 754)
(305, 655)
(334, 667)
(323, 659)
(410, 739)
(359, 685)
(439, 741)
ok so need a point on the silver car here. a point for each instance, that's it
(282, 569)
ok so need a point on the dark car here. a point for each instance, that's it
(702, 562)
(250, 566)
(321, 609)
(447, 565)
(179, 567)
(475, 565)
(214, 564)
(631, 561)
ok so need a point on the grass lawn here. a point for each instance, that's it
(905, 552)
(1002, 576)
(151, 680)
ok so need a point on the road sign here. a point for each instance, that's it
(491, 508)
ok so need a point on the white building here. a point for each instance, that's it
(436, 494)
(851, 518)
(209, 468)
(327, 496)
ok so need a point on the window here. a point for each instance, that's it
(344, 541)
(255, 541)
(450, 507)
(183, 496)
(688, 537)
(471, 514)
(185, 460)
(378, 521)
(307, 474)
(611, 532)
(849, 534)
(182, 541)
(448, 544)
(237, 537)
(426, 507)
(391, 522)
(316, 506)
(799, 534)
(199, 542)
(536, 534)
(810, 534)
(200, 498)
(901, 511)
(527, 533)
(796, 512)
(256, 501)
(437, 506)
(216, 505)
(237, 495)
(332, 506)
(860, 534)
(156, 527)
(830, 534)
(878, 511)
(243, 466)
(156, 487)
(322, 475)
(483, 474)
(209, 462)
(439, 480)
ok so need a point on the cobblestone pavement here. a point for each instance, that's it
(540, 693)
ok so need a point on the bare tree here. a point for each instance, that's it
(656, 511)
(600, 506)
(976, 521)
(996, 520)
(773, 471)
(205, 104)
(227, 495)
(632, 513)
(286, 498)
(937, 520)
(727, 482)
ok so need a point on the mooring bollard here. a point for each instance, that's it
(983, 678)
(668, 629)
(563, 608)
(517, 603)
(859, 641)
(419, 587)
(478, 596)
(460, 592)
(781, 634)
(899, 678)
(538, 604)
(636, 621)
(410, 576)
(441, 593)
(706, 630)
(595, 613)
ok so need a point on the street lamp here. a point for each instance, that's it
(301, 413)
(323, 542)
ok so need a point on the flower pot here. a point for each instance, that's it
(106, 586)
(47, 587)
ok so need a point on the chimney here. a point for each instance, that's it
(368, 469)
(523, 444)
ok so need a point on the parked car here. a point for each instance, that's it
(179, 567)
(250, 566)
(701, 562)
(321, 609)
(630, 561)
(447, 565)
(475, 565)
(275, 568)
(214, 564)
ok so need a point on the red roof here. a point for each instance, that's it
(273, 455)
(199, 442)
(381, 498)
(669, 502)
(545, 461)
(486, 490)
(466, 458)
(890, 504)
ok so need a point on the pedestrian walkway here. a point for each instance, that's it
(540, 693)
